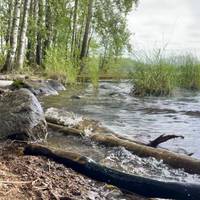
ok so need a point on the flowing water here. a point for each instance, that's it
(138, 118)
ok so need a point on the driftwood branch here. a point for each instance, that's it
(132, 183)
(175, 160)
(64, 129)
(163, 138)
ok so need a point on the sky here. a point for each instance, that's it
(170, 24)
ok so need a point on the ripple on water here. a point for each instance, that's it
(141, 118)
(120, 158)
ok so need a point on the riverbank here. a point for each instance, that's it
(31, 177)
(107, 92)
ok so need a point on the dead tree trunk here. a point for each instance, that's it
(143, 186)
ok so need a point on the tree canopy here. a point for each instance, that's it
(30, 29)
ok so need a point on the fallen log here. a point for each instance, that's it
(175, 160)
(143, 186)
(63, 129)
(54, 123)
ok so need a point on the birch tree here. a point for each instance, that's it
(22, 36)
(33, 27)
(10, 60)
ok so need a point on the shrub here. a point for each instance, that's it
(92, 65)
(57, 66)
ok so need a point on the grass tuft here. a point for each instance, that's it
(189, 73)
(156, 80)
(160, 76)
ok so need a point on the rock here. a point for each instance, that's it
(56, 85)
(21, 115)
(108, 86)
(39, 87)
(42, 88)
(75, 97)
(5, 83)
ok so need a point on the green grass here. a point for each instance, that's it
(160, 76)
(92, 65)
(189, 73)
(156, 80)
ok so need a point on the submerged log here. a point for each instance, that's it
(175, 160)
(143, 186)
(63, 129)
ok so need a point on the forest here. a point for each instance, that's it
(63, 37)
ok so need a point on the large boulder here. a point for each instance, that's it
(21, 115)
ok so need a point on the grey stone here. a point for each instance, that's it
(22, 115)
(40, 87)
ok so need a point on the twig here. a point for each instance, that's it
(15, 182)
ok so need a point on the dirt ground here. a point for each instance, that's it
(29, 177)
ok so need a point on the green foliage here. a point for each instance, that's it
(159, 76)
(189, 73)
(2, 60)
(71, 72)
(84, 29)
(117, 68)
(93, 70)
(18, 83)
(57, 66)
(157, 80)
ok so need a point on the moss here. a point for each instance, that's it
(18, 83)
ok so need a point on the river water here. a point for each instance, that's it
(142, 119)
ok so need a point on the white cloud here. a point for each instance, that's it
(175, 23)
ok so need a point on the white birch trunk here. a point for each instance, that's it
(10, 21)
(13, 37)
(22, 37)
